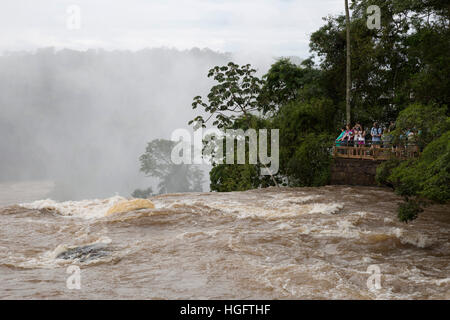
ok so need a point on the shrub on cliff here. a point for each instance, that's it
(422, 180)
(425, 179)
(428, 121)
(409, 210)
(310, 164)
(384, 170)
(428, 176)
(234, 177)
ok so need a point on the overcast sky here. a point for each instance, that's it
(276, 27)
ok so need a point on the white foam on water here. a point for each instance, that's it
(327, 208)
(344, 229)
(283, 226)
(88, 209)
(277, 201)
(397, 232)
(210, 233)
(416, 239)
(288, 208)
(361, 214)
(340, 229)
(441, 282)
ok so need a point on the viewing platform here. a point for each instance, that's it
(376, 153)
(357, 165)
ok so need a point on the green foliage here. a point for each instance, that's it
(405, 178)
(403, 62)
(431, 82)
(384, 170)
(425, 178)
(305, 149)
(435, 162)
(409, 210)
(428, 121)
(236, 93)
(299, 118)
(296, 121)
(283, 83)
(310, 164)
(232, 104)
(238, 177)
(234, 177)
(142, 193)
(429, 176)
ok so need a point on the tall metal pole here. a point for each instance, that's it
(348, 81)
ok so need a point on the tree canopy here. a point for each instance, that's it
(156, 162)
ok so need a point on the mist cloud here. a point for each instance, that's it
(84, 118)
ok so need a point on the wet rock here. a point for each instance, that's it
(85, 253)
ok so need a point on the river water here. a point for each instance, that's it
(287, 243)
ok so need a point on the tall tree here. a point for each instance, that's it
(235, 95)
(233, 102)
(286, 82)
(156, 162)
(348, 70)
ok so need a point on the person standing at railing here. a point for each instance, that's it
(359, 136)
(356, 138)
(347, 137)
(340, 138)
(375, 132)
(362, 137)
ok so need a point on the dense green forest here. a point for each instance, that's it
(400, 72)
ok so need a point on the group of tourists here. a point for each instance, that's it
(358, 136)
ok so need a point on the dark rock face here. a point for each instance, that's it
(85, 253)
(354, 172)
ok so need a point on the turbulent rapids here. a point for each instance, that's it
(304, 243)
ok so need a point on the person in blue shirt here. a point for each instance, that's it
(376, 132)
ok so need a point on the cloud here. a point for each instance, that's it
(273, 26)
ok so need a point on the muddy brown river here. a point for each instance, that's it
(331, 242)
